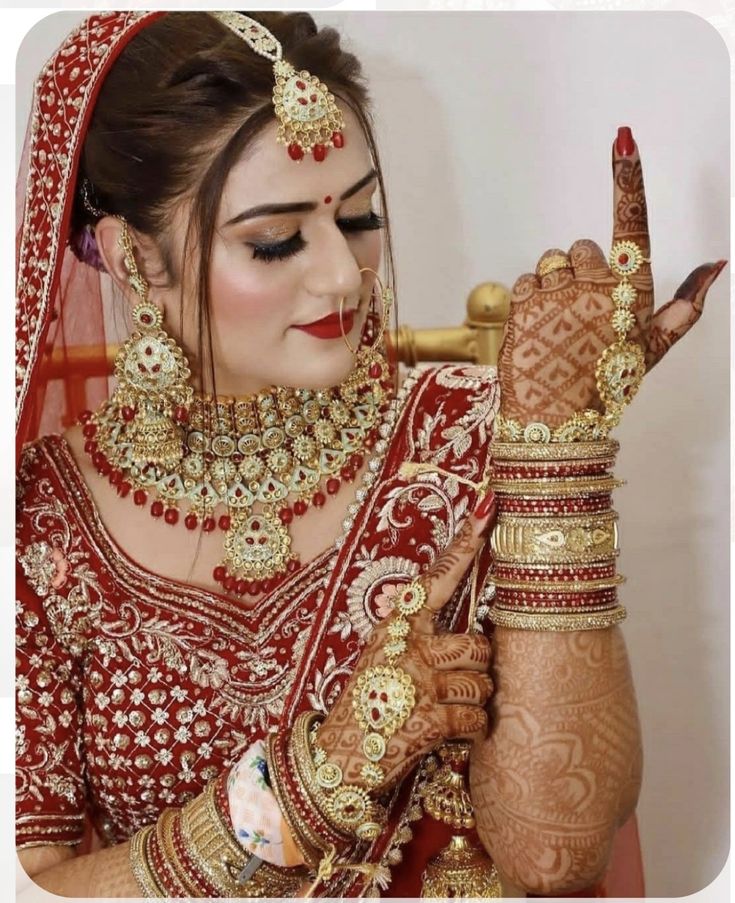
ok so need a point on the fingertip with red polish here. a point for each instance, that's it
(625, 144)
(485, 505)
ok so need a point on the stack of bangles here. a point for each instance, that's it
(556, 538)
(193, 852)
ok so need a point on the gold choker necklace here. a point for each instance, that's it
(238, 453)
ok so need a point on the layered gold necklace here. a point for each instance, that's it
(266, 458)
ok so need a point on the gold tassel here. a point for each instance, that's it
(463, 868)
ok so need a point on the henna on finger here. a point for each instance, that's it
(463, 722)
(671, 322)
(462, 687)
(455, 651)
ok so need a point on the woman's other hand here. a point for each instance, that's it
(449, 671)
(560, 322)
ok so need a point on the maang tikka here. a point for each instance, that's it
(309, 119)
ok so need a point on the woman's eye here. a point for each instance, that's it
(365, 223)
(280, 250)
(296, 243)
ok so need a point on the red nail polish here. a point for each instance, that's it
(625, 143)
(485, 505)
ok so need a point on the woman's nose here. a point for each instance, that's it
(334, 269)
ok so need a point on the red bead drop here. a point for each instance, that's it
(128, 414)
(123, 489)
(286, 515)
(338, 139)
(293, 565)
(295, 152)
(269, 585)
(254, 587)
(157, 508)
(346, 473)
(90, 446)
(332, 485)
(208, 524)
(356, 461)
(375, 371)
(319, 152)
(171, 516)
(299, 507)
(85, 416)
(115, 477)
(241, 587)
(219, 573)
(89, 430)
(224, 522)
(140, 497)
(229, 583)
(318, 499)
(191, 521)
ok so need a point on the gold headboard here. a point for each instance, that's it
(477, 340)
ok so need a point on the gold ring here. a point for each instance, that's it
(555, 262)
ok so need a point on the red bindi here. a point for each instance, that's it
(328, 199)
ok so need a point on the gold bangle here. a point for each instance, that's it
(164, 833)
(501, 617)
(140, 865)
(556, 451)
(212, 845)
(561, 586)
(556, 486)
(555, 540)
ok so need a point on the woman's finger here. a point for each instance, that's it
(588, 259)
(462, 722)
(676, 318)
(630, 213)
(442, 578)
(455, 651)
(465, 687)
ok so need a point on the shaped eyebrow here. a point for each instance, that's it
(300, 207)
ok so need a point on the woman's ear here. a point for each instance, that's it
(107, 234)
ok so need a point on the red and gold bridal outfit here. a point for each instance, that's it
(134, 690)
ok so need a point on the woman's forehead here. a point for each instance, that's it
(267, 175)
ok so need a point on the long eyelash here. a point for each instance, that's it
(278, 251)
(296, 243)
(362, 223)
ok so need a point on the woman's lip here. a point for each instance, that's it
(330, 327)
(329, 320)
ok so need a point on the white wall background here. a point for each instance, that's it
(495, 131)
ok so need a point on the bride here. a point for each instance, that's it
(249, 637)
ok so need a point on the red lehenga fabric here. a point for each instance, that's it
(134, 691)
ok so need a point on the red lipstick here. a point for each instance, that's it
(328, 327)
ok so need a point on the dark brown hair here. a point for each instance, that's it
(178, 108)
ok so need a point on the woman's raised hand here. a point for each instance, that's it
(449, 671)
(560, 322)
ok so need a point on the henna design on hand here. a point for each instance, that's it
(449, 673)
(560, 323)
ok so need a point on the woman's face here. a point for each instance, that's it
(274, 271)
